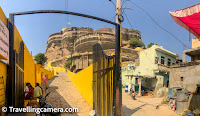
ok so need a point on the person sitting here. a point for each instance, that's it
(30, 94)
(26, 89)
(37, 91)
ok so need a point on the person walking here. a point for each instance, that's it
(45, 82)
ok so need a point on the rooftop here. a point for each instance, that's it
(192, 52)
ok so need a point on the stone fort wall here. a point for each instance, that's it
(74, 40)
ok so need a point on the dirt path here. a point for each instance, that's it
(144, 106)
(64, 94)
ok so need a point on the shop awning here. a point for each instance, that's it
(188, 18)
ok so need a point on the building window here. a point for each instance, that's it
(156, 60)
(181, 78)
(169, 62)
(162, 60)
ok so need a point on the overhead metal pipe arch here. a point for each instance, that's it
(63, 12)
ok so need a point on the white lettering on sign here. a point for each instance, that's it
(4, 41)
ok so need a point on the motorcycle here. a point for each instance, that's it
(133, 94)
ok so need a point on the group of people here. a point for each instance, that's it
(36, 92)
(31, 92)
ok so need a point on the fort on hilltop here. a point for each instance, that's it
(78, 43)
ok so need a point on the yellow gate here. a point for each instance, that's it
(103, 66)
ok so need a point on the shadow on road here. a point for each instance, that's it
(129, 112)
(55, 99)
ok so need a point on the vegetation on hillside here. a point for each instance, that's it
(40, 58)
(67, 64)
(136, 43)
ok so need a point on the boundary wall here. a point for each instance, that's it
(83, 82)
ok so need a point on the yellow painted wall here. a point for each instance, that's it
(56, 69)
(46, 72)
(83, 82)
(41, 71)
(3, 72)
(3, 67)
(3, 17)
(38, 73)
(29, 65)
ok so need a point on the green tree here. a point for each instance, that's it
(67, 64)
(136, 43)
(151, 44)
(40, 58)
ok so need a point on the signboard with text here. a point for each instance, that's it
(4, 42)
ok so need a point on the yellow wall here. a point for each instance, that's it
(3, 72)
(3, 17)
(41, 71)
(83, 82)
(56, 69)
(3, 67)
(46, 72)
(29, 65)
(38, 73)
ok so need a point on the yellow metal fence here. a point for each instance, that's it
(102, 82)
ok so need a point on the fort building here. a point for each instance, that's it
(76, 43)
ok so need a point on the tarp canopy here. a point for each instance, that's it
(188, 18)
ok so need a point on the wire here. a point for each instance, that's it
(112, 2)
(128, 20)
(124, 1)
(157, 23)
(145, 52)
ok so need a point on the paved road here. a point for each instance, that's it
(64, 94)
(144, 106)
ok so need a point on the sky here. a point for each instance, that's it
(35, 29)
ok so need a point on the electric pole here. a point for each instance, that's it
(118, 85)
(118, 12)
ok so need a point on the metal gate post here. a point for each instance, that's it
(11, 68)
(117, 76)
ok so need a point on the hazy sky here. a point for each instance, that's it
(35, 29)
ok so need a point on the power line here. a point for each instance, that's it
(157, 23)
(124, 1)
(128, 20)
(112, 2)
(146, 54)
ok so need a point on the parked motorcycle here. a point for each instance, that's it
(133, 94)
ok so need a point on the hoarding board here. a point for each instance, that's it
(4, 42)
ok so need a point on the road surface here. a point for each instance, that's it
(64, 94)
(144, 106)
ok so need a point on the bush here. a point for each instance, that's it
(136, 43)
(151, 44)
(40, 58)
(67, 64)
